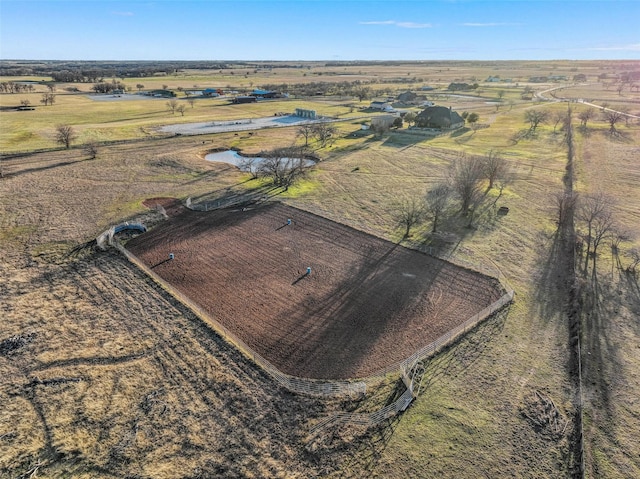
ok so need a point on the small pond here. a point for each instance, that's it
(232, 157)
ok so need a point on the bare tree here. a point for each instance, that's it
(248, 164)
(595, 212)
(466, 174)
(613, 118)
(139, 86)
(527, 93)
(48, 99)
(586, 115)
(172, 105)
(181, 109)
(408, 213)
(191, 101)
(558, 117)
(25, 102)
(91, 149)
(535, 118)
(65, 135)
(324, 133)
(284, 166)
(603, 226)
(306, 131)
(436, 202)
(493, 167)
(362, 92)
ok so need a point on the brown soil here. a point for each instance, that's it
(366, 304)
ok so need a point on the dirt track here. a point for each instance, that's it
(366, 304)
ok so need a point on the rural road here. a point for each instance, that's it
(541, 96)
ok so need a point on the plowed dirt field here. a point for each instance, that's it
(366, 304)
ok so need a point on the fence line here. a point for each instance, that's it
(330, 387)
(306, 386)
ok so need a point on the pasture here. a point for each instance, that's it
(105, 374)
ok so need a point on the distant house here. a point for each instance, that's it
(411, 98)
(211, 92)
(538, 79)
(160, 93)
(440, 118)
(265, 93)
(380, 105)
(493, 79)
(245, 99)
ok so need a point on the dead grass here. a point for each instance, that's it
(119, 379)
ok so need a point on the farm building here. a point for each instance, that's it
(381, 105)
(303, 113)
(265, 94)
(245, 99)
(211, 92)
(439, 117)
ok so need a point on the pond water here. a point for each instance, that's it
(232, 157)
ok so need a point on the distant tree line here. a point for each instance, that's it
(343, 88)
(13, 87)
(88, 72)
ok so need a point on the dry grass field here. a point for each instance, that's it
(105, 375)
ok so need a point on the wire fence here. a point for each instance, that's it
(310, 387)
(328, 388)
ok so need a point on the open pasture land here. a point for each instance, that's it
(99, 350)
(367, 303)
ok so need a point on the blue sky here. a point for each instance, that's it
(319, 30)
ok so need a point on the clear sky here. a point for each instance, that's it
(319, 30)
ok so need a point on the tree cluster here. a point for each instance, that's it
(323, 133)
(467, 176)
(13, 87)
(108, 87)
(284, 166)
(462, 86)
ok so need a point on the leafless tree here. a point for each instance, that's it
(181, 108)
(436, 203)
(613, 118)
(408, 213)
(324, 133)
(634, 256)
(535, 118)
(65, 135)
(25, 102)
(602, 226)
(191, 101)
(594, 211)
(48, 99)
(586, 115)
(558, 117)
(91, 149)
(172, 105)
(362, 92)
(284, 166)
(527, 93)
(306, 131)
(493, 167)
(466, 174)
(248, 164)
(139, 86)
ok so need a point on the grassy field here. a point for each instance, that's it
(108, 376)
